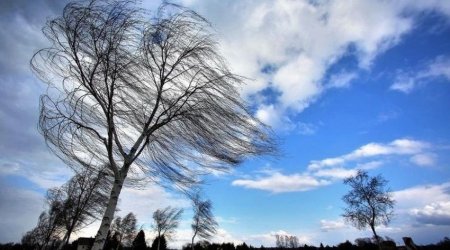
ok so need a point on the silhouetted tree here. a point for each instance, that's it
(286, 241)
(125, 228)
(82, 201)
(369, 202)
(150, 96)
(48, 229)
(204, 225)
(165, 222)
(139, 242)
(366, 243)
(159, 243)
(242, 246)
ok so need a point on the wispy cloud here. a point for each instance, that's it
(425, 159)
(330, 170)
(407, 82)
(371, 150)
(279, 183)
(341, 80)
(330, 225)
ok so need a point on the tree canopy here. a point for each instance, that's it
(144, 96)
(369, 202)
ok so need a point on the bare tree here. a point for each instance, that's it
(165, 222)
(129, 228)
(204, 225)
(144, 96)
(286, 241)
(83, 199)
(48, 229)
(124, 229)
(369, 202)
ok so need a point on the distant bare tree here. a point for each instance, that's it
(286, 241)
(369, 202)
(204, 224)
(165, 222)
(129, 229)
(144, 96)
(125, 228)
(48, 229)
(83, 199)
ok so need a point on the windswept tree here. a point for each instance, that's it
(369, 202)
(82, 200)
(145, 96)
(204, 225)
(47, 231)
(125, 228)
(165, 222)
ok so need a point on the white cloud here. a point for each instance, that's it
(407, 82)
(437, 213)
(44, 177)
(370, 150)
(369, 165)
(275, 117)
(272, 116)
(327, 171)
(306, 128)
(329, 225)
(335, 173)
(427, 204)
(425, 159)
(301, 40)
(279, 183)
(222, 220)
(341, 80)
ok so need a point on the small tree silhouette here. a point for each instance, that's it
(159, 243)
(139, 242)
(369, 202)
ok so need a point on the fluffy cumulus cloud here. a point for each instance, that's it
(406, 82)
(329, 170)
(428, 204)
(435, 213)
(300, 40)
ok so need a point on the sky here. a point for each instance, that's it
(345, 85)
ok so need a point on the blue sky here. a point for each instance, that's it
(345, 86)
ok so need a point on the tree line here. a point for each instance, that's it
(140, 243)
(81, 201)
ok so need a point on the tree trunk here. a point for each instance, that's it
(376, 236)
(159, 240)
(192, 244)
(109, 214)
(65, 240)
